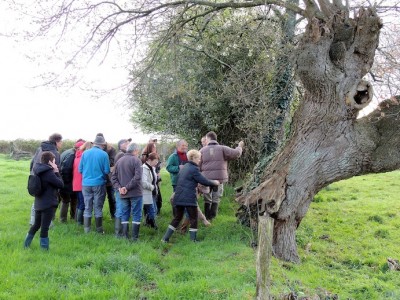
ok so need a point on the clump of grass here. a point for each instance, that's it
(382, 234)
(376, 218)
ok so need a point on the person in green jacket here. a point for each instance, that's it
(176, 161)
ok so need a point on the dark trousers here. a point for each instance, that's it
(111, 200)
(72, 199)
(42, 221)
(180, 210)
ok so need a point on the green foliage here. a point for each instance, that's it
(215, 75)
(343, 245)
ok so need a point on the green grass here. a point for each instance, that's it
(352, 227)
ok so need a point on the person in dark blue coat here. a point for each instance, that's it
(186, 194)
(46, 203)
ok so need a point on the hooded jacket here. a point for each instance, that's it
(45, 146)
(51, 182)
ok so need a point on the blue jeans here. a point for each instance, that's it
(131, 206)
(118, 208)
(81, 201)
(94, 200)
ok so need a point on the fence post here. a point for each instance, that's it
(264, 254)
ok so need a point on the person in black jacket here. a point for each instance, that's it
(46, 203)
(53, 145)
(186, 194)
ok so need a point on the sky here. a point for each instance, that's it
(36, 113)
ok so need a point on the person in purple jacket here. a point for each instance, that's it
(45, 204)
(186, 194)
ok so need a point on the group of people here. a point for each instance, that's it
(198, 172)
(80, 178)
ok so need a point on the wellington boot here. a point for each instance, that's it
(117, 227)
(87, 224)
(125, 230)
(28, 240)
(44, 243)
(135, 231)
(79, 217)
(99, 225)
(64, 212)
(168, 234)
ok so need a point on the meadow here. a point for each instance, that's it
(344, 241)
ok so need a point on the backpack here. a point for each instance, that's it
(67, 166)
(34, 185)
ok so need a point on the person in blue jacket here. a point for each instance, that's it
(46, 203)
(186, 194)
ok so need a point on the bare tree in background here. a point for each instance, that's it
(334, 53)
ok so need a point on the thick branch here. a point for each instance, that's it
(381, 128)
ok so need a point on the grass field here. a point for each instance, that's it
(351, 229)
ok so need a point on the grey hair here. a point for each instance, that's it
(180, 142)
(132, 147)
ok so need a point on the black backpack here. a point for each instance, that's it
(34, 185)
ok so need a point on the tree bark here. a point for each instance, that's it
(328, 143)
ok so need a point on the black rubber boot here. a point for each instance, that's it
(64, 212)
(125, 230)
(193, 235)
(79, 217)
(135, 232)
(213, 211)
(168, 234)
(152, 223)
(87, 224)
(207, 210)
(118, 227)
(99, 225)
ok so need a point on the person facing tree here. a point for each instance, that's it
(185, 197)
(214, 165)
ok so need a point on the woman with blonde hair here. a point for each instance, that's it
(186, 194)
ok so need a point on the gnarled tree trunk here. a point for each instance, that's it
(329, 143)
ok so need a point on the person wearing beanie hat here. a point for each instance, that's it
(111, 152)
(94, 167)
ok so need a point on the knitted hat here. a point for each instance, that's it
(99, 140)
(123, 141)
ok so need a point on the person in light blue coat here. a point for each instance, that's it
(94, 167)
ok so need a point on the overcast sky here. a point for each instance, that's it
(35, 113)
